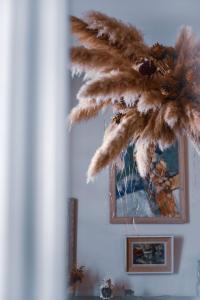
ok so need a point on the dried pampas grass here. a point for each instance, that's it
(144, 155)
(97, 60)
(85, 111)
(114, 142)
(154, 89)
(126, 38)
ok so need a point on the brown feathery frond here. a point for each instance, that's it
(185, 44)
(149, 133)
(88, 37)
(149, 101)
(167, 138)
(116, 86)
(85, 111)
(108, 131)
(96, 60)
(188, 53)
(163, 133)
(93, 38)
(126, 38)
(114, 142)
(191, 120)
(117, 31)
(156, 130)
(171, 114)
(144, 155)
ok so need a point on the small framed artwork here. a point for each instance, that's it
(149, 254)
(161, 197)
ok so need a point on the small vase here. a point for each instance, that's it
(73, 289)
(106, 290)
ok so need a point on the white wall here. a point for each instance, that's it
(100, 244)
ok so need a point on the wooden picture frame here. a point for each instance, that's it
(72, 232)
(183, 195)
(149, 254)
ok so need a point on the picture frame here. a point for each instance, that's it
(183, 214)
(72, 232)
(149, 254)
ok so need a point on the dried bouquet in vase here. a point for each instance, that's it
(75, 278)
(77, 274)
(153, 90)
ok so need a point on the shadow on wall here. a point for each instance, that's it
(120, 287)
(90, 284)
(178, 246)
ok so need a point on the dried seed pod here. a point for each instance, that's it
(158, 51)
(117, 118)
(165, 90)
(147, 67)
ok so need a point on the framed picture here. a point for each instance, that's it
(161, 197)
(149, 254)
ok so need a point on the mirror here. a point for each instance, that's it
(102, 243)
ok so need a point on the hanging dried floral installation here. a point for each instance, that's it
(154, 90)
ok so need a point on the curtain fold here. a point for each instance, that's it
(34, 154)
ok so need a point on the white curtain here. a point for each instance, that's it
(33, 151)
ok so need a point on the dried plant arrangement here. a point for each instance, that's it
(153, 90)
(76, 277)
(77, 274)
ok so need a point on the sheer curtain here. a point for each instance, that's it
(33, 150)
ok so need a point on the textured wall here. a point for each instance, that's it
(100, 244)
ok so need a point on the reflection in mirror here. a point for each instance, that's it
(137, 225)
